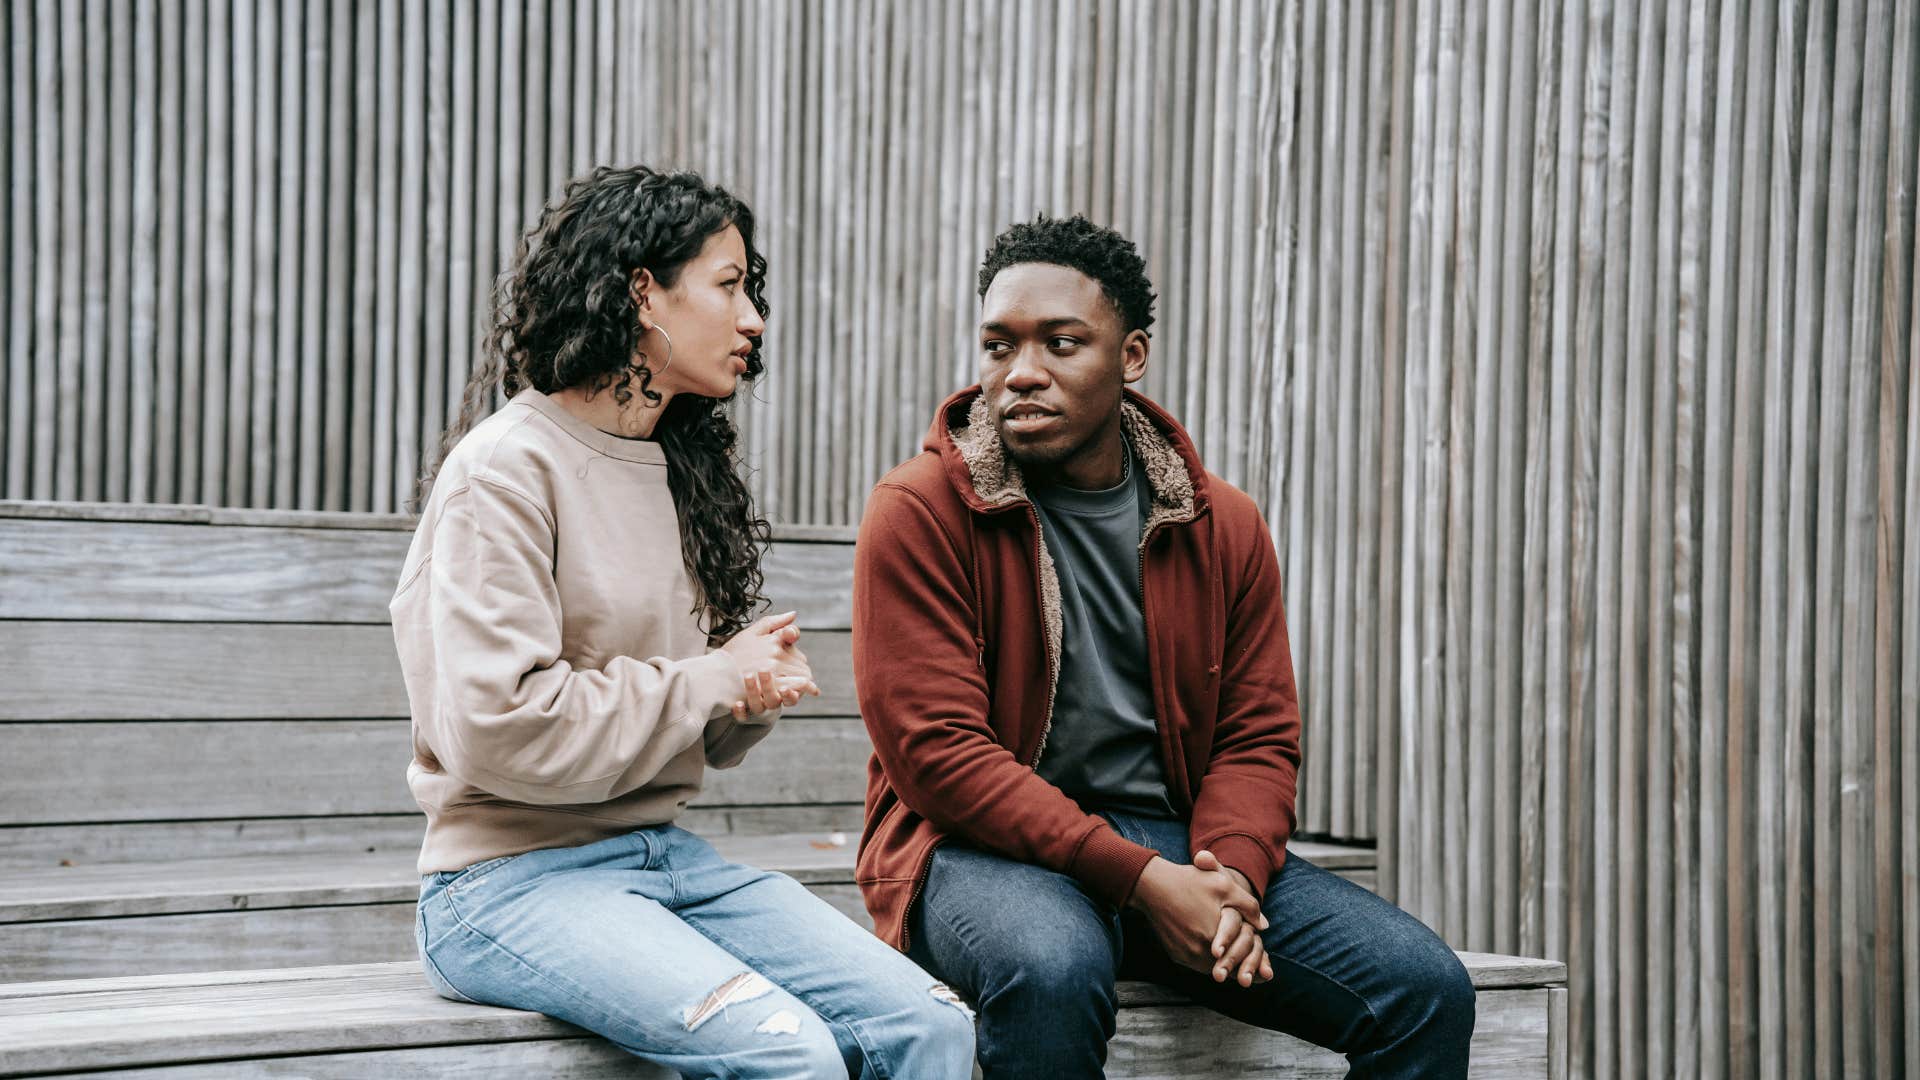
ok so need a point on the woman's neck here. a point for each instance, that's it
(636, 421)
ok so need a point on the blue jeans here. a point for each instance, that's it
(654, 941)
(1039, 957)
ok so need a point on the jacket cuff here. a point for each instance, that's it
(1109, 864)
(1245, 854)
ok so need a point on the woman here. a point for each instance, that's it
(577, 552)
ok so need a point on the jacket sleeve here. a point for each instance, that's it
(924, 696)
(1245, 810)
(514, 718)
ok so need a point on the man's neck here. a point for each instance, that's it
(1099, 465)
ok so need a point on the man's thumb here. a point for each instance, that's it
(1204, 860)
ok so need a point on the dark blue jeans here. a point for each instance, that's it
(1039, 957)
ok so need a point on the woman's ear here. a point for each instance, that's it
(640, 286)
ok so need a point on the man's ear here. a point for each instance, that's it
(640, 286)
(1133, 356)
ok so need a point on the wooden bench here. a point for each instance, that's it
(168, 667)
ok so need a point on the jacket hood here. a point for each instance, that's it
(976, 461)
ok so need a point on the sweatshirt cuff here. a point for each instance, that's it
(1110, 864)
(713, 679)
(1245, 854)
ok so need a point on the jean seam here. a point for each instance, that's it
(606, 1019)
(830, 1016)
(1351, 992)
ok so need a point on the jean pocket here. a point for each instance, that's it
(472, 875)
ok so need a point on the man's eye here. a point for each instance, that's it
(994, 347)
(1062, 343)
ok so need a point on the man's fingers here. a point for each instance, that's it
(1244, 943)
(1255, 962)
(1230, 924)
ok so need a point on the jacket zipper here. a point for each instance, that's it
(1053, 674)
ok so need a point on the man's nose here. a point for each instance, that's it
(1026, 372)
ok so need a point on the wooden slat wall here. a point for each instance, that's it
(1567, 345)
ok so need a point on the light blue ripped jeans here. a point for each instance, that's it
(713, 969)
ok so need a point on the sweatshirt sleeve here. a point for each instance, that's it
(1244, 812)
(513, 718)
(924, 697)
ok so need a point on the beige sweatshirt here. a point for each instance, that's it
(562, 690)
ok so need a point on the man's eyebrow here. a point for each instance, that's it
(1045, 324)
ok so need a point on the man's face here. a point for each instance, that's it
(1054, 355)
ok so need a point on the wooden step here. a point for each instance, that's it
(381, 1019)
(270, 911)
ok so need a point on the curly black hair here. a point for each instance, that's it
(564, 316)
(1078, 244)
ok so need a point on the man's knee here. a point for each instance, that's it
(1437, 992)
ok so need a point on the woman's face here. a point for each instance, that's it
(708, 316)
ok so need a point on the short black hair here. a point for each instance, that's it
(1078, 244)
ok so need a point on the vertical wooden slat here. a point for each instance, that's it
(250, 439)
(1418, 828)
(1308, 473)
(1347, 782)
(440, 270)
(118, 103)
(175, 460)
(370, 144)
(1896, 990)
(25, 115)
(1860, 998)
(206, 478)
(464, 231)
(1368, 707)
(300, 482)
(1541, 918)
(278, 406)
(342, 243)
(1831, 708)
(88, 99)
(62, 415)
(535, 184)
(1519, 758)
(46, 243)
(1476, 304)
(411, 268)
(252, 209)
(1665, 589)
(10, 223)
(153, 214)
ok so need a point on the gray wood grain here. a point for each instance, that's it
(158, 771)
(166, 671)
(390, 1008)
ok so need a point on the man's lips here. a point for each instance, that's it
(1025, 418)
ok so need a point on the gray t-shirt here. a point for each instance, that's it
(1104, 748)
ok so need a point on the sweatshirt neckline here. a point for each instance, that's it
(644, 451)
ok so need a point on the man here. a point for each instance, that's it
(1071, 655)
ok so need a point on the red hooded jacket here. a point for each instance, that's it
(956, 639)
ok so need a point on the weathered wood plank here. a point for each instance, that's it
(165, 671)
(41, 847)
(386, 1007)
(159, 771)
(220, 573)
(314, 878)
